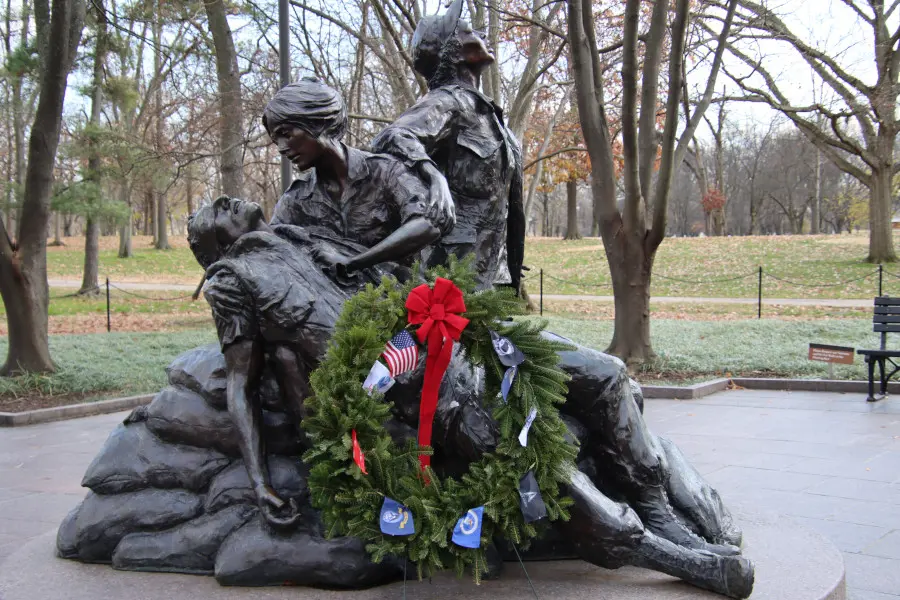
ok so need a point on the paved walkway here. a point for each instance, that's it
(831, 461)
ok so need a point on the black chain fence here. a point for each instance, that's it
(133, 296)
(879, 272)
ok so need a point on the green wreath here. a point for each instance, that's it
(350, 501)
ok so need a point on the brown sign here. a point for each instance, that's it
(831, 354)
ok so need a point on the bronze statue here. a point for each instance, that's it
(275, 292)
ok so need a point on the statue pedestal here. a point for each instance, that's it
(791, 562)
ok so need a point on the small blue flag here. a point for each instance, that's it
(507, 382)
(395, 519)
(509, 355)
(467, 532)
(523, 435)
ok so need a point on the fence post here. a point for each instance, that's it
(108, 319)
(541, 301)
(759, 296)
(880, 277)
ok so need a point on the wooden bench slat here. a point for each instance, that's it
(887, 328)
(887, 310)
(887, 301)
(886, 319)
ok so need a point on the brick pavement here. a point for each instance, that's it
(831, 461)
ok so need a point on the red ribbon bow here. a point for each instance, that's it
(438, 312)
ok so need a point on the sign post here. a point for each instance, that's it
(831, 354)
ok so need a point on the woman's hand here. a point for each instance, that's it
(333, 263)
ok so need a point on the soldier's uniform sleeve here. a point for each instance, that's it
(232, 308)
(417, 132)
(515, 220)
(410, 195)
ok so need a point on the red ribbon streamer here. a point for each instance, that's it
(438, 312)
(358, 457)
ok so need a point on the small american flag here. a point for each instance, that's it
(401, 353)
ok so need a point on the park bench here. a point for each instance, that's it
(886, 319)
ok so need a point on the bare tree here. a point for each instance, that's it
(572, 232)
(90, 278)
(23, 267)
(857, 132)
(231, 116)
(631, 235)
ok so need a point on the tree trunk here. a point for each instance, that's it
(630, 266)
(817, 201)
(572, 232)
(189, 189)
(717, 221)
(125, 250)
(23, 270)
(149, 215)
(89, 282)
(128, 223)
(881, 244)
(162, 234)
(57, 231)
(19, 129)
(231, 117)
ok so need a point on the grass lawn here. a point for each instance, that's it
(100, 365)
(176, 265)
(823, 260)
(692, 350)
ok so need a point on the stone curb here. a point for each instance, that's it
(690, 392)
(811, 385)
(86, 409)
(699, 390)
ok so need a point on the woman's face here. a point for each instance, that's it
(234, 218)
(474, 50)
(298, 146)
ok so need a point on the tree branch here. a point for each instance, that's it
(666, 168)
(858, 11)
(544, 157)
(649, 93)
(633, 209)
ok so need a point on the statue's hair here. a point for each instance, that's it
(201, 228)
(426, 46)
(310, 105)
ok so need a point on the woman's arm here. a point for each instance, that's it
(411, 237)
